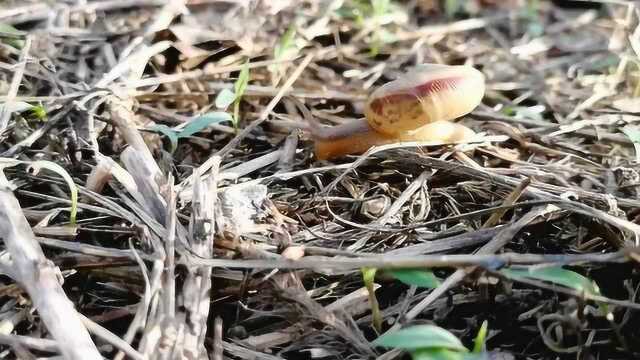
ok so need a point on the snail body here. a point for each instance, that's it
(417, 106)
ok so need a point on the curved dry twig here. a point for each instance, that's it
(42, 280)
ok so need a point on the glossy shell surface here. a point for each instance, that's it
(426, 94)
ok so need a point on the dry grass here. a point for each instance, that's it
(240, 244)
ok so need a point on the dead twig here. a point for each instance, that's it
(41, 279)
(14, 87)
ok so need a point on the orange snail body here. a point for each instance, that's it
(418, 106)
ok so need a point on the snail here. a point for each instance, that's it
(417, 106)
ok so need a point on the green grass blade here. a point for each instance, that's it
(202, 122)
(368, 277)
(481, 338)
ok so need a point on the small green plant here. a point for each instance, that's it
(430, 342)
(480, 340)
(240, 86)
(38, 112)
(559, 276)
(31, 112)
(226, 96)
(368, 276)
(194, 125)
(224, 99)
(417, 277)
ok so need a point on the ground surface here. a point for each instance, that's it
(122, 96)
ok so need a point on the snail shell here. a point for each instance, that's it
(426, 94)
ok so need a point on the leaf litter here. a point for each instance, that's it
(205, 227)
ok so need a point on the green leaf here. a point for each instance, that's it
(195, 125)
(417, 277)
(421, 337)
(39, 112)
(481, 338)
(243, 80)
(225, 98)
(168, 132)
(508, 110)
(200, 123)
(556, 275)
(240, 86)
(11, 36)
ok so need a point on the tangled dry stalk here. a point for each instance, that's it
(237, 243)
